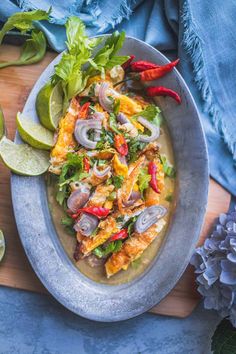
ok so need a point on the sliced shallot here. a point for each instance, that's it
(86, 224)
(78, 198)
(155, 131)
(104, 100)
(149, 217)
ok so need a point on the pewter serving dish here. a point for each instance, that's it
(39, 238)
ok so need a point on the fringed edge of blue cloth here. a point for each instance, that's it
(193, 45)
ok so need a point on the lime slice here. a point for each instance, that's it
(2, 124)
(33, 133)
(49, 105)
(2, 245)
(23, 159)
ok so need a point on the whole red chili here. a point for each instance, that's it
(121, 144)
(153, 91)
(153, 74)
(86, 164)
(142, 65)
(126, 65)
(97, 211)
(83, 112)
(121, 235)
(152, 171)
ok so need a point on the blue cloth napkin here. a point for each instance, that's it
(201, 33)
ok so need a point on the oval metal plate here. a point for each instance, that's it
(62, 279)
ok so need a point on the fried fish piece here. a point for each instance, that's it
(107, 227)
(65, 140)
(100, 195)
(129, 182)
(132, 249)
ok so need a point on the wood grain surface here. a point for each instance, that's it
(15, 270)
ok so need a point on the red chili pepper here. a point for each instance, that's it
(121, 235)
(163, 91)
(86, 164)
(153, 74)
(128, 62)
(83, 112)
(97, 211)
(152, 170)
(142, 65)
(121, 144)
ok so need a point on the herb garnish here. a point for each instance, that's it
(112, 247)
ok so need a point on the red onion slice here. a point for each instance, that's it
(78, 198)
(81, 132)
(149, 217)
(132, 199)
(86, 224)
(155, 131)
(100, 173)
(104, 101)
(121, 117)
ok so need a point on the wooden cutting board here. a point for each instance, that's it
(15, 270)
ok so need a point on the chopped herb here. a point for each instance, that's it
(169, 198)
(112, 247)
(168, 169)
(84, 100)
(143, 180)
(151, 113)
(109, 181)
(134, 147)
(118, 181)
(106, 140)
(101, 162)
(129, 225)
(67, 221)
(120, 218)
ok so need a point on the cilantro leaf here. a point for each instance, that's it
(168, 169)
(224, 338)
(32, 51)
(151, 113)
(113, 123)
(129, 225)
(143, 180)
(23, 21)
(67, 221)
(112, 247)
(118, 181)
(134, 147)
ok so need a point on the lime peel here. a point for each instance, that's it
(2, 245)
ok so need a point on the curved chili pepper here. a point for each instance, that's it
(126, 65)
(83, 112)
(97, 211)
(121, 144)
(162, 91)
(142, 65)
(153, 74)
(152, 171)
(121, 235)
(86, 164)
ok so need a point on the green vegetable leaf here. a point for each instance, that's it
(23, 21)
(224, 338)
(117, 60)
(143, 180)
(32, 51)
(169, 198)
(129, 225)
(67, 221)
(168, 169)
(112, 247)
(116, 107)
(151, 113)
(118, 181)
(134, 147)
(113, 123)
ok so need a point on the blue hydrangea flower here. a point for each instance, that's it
(215, 266)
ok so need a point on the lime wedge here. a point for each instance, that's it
(2, 124)
(33, 133)
(2, 245)
(23, 159)
(49, 105)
